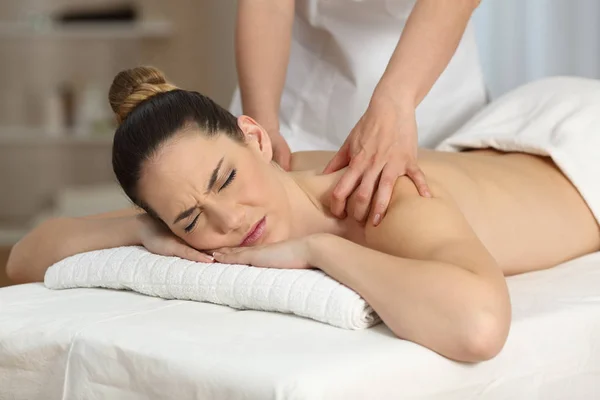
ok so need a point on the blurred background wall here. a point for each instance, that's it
(45, 66)
(523, 40)
(56, 126)
(51, 165)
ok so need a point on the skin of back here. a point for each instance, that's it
(523, 209)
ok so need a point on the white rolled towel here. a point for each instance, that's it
(307, 293)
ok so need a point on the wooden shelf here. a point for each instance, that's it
(9, 236)
(11, 136)
(115, 30)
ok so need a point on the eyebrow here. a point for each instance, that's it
(211, 184)
(184, 214)
(213, 177)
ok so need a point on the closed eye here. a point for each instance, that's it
(192, 224)
(230, 179)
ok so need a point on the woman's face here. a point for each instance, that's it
(215, 192)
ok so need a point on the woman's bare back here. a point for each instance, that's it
(523, 209)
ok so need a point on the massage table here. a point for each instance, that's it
(110, 344)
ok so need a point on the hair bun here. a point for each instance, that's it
(132, 86)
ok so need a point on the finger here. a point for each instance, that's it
(364, 194)
(286, 160)
(223, 250)
(233, 258)
(345, 186)
(339, 160)
(283, 156)
(230, 250)
(189, 253)
(383, 195)
(418, 177)
(279, 158)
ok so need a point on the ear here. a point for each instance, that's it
(256, 137)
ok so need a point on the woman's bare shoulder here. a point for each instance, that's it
(414, 223)
(310, 160)
(432, 229)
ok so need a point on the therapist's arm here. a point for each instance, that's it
(383, 145)
(262, 47)
(426, 46)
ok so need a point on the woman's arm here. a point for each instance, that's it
(445, 292)
(426, 274)
(262, 45)
(60, 238)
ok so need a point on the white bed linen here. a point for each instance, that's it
(102, 344)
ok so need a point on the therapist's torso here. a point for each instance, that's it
(339, 51)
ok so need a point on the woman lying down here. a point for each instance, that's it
(433, 268)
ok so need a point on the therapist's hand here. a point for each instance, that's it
(282, 154)
(381, 147)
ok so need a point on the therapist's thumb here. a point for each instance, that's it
(282, 154)
(339, 161)
(283, 157)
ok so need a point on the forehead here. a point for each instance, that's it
(181, 167)
(189, 152)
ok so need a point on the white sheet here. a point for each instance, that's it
(306, 292)
(102, 344)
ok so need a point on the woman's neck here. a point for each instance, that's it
(309, 198)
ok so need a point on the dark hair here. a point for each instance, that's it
(150, 111)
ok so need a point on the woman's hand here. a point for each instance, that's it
(159, 240)
(381, 147)
(291, 254)
(282, 154)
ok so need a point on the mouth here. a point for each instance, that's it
(255, 233)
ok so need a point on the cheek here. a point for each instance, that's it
(257, 186)
(205, 238)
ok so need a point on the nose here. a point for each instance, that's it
(226, 217)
